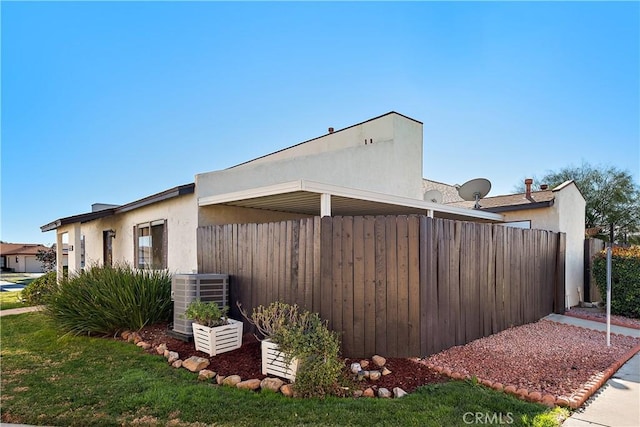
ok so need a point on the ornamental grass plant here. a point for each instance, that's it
(105, 300)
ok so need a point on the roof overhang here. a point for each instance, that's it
(303, 197)
(90, 216)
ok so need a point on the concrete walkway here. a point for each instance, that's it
(617, 403)
(20, 310)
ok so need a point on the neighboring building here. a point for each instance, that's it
(21, 257)
(372, 168)
(561, 209)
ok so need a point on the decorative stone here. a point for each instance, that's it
(125, 335)
(385, 371)
(220, 379)
(172, 357)
(287, 390)
(368, 392)
(379, 361)
(497, 386)
(252, 384)
(272, 384)
(205, 375)
(535, 396)
(510, 389)
(195, 363)
(357, 393)
(522, 393)
(136, 338)
(374, 375)
(562, 401)
(549, 400)
(398, 392)
(161, 348)
(364, 363)
(384, 393)
(166, 353)
(144, 345)
(177, 364)
(356, 367)
(231, 380)
(361, 375)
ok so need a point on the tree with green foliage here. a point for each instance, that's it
(612, 199)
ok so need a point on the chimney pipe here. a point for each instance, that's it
(544, 187)
(527, 183)
(330, 130)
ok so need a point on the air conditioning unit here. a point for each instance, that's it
(189, 287)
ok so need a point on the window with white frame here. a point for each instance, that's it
(150, 245)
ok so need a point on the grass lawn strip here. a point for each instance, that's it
(12, 299)
(54, 380)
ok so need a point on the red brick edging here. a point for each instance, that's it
(574, 401)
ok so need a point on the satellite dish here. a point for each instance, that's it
(475, 189)
(433, 196)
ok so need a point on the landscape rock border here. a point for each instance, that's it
(198, 365)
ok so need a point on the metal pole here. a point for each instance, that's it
(609, 295)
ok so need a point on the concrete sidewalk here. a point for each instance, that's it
(20, 310)
(617, 403)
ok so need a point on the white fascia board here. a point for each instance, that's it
(335, 190)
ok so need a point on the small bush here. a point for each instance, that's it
(106, 300)
(625, 280)
(40, 289)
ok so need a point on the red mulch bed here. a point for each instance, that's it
(246, 362)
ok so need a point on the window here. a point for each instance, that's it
(150, 245)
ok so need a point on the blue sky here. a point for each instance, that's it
(113, 101)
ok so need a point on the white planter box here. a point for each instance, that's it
(273, 362)
(218, 339)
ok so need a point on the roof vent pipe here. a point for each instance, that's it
(544, 187)
(527, 183)
(330, 130)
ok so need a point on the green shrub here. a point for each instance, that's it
(206, 313)
(40, 289)
(106, 300)
(316, 348)
(625, 280)
(304, 336)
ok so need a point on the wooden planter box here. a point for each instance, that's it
(218, 339)
(273, 362)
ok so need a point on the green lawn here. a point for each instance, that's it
(48, 379)
(11, 300)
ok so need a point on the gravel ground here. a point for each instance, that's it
(600, 315)
(547, 357)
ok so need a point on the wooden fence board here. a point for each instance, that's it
(413, 284)
(369, 286)
(381, 281)
(359, 319)
(402, 249)
(348, 301)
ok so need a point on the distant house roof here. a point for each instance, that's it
(512, 202)
(21, 248)
(90, 216)
(449, 192)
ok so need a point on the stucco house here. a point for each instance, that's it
(371, 168)
(21, 257)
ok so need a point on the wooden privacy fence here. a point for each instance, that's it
(399, 286)
(591, 248)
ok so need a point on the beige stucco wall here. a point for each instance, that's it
(181, 214)
(392, 164)
(567, 215)
(223, 214)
